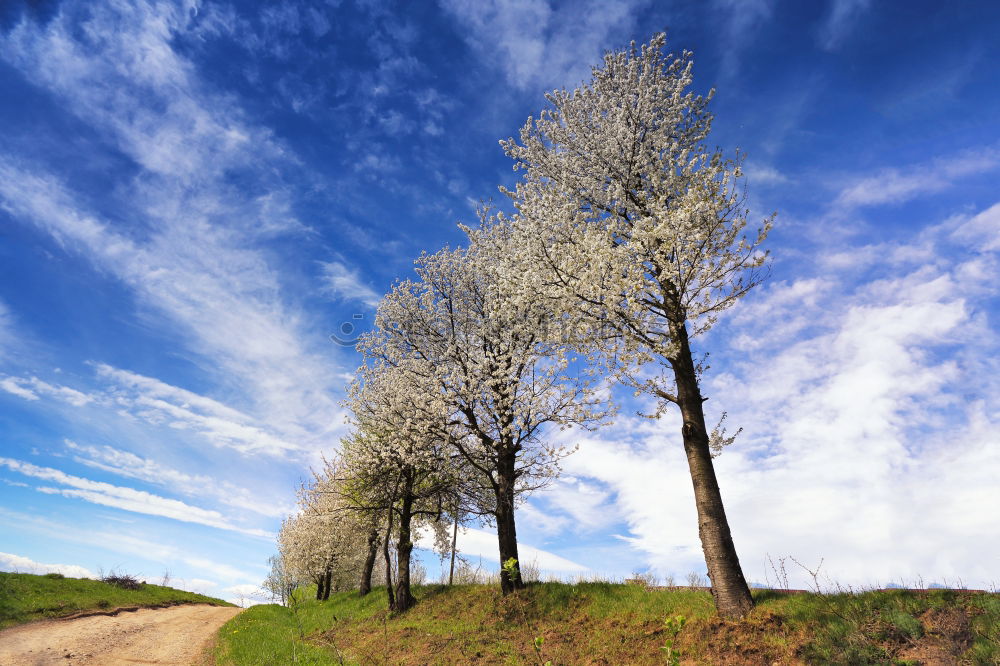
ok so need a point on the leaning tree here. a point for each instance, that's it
(488, 354)
(630, 223)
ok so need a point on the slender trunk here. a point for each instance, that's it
(454, 541)
(327, 582)
(319, 587)
(366, 573)
(510, 579)
(729, 587)
(388, 559)
(404, 546)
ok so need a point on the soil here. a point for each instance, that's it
(176, 635)
(947, 635)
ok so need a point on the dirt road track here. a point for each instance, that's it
(175, 635)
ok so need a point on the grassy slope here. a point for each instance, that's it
(26, 597)
(601, 623)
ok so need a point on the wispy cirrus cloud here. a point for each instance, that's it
(346, 284)
(740, 20)
(980, 231)
(7, 336)
(896, 185)
(128, 464)
(126, 499)
(190, 247)
(539, 46)
(16, 386)
(30, 388)
(843, 17)
(158, 403)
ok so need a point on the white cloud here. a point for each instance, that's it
(31, 388)
(761, 174)
(343, 283)
(196, 585)
(126, 499)
(125, 463)
(582, 501)
(195, 267)
(170, 556)
(538, 46)
(247, 595)
(844, 15)
(7, 337)
(246, 590)
(14, 387)
(156, 389)
(474, 544)
(894, 185)
(982, 231)
(159, 403)
(869, 430)
(19, 564)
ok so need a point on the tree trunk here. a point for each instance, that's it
(506, 531)
(404, 546)
(454, 540)
(319, 587)
(366, 573)
(327, 581)
(729, 588)
(388, 560)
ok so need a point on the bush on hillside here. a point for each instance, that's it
(123, 581)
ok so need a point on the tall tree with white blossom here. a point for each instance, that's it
(501, 381)
(629, 223)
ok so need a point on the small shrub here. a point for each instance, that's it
(123, 581)
(530, 572)
(673, 625)
(418, 573)
(695, 579)
(55, 576)
(644, 578)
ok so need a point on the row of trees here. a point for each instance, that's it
(625, 242)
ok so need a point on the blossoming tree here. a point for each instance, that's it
(332, 481)
(482, 352)
(398, 460)
(321, 543)
(628, 222)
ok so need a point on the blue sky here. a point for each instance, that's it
(194, 196)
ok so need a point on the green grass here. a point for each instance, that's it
(26, 597)
(272, 634)
(874, 627)
(614, 623)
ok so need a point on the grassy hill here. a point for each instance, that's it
(26, 597)
(603, 623)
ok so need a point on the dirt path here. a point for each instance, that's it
(175, 635)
